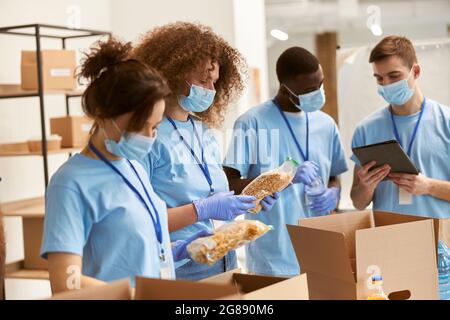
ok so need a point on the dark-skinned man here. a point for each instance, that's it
(289, 125)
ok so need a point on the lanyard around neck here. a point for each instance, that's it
(156, 222)
(299, 147)
(413, 137)
(202, 164)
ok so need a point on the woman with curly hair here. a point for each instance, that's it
(103, 220)
(205, 75)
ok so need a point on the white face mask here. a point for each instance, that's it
(199, 99)
(131, 146)
(397, 93)
(310, 102)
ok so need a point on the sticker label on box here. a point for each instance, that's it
(61, 72)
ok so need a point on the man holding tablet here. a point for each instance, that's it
(419, 124)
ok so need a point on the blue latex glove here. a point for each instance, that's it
(223, 206)
(306, 173)
(179, 247)
(268, 202)
(325, 202)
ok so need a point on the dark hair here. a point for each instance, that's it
(176, 49)
(398, 46)
(119, 85)
(295, 61)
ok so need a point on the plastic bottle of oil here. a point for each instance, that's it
(377, 293)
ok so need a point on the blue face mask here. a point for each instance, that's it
(131, 146)
(397, 93)
(310, 102)
(199, 99)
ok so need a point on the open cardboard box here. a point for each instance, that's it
(259, 287)
(341, 252)
(152, 289)
(118, 290)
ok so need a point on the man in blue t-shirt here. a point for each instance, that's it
(289, 125)
(419, 124)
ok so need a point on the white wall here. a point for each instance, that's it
(134, 17)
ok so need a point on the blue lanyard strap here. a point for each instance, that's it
(413, 137)
(202, 164)
(299, 147)
(157, 223)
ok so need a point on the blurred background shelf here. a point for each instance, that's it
(27, 208)
(28, 274)
(37, 153)
(8, 91)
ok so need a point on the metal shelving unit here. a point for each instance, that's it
(32, 210)
(39, 31)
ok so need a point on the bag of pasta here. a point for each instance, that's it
(270, 182)
(209, 250)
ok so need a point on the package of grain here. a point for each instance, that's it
(270, 182)
(209, 250)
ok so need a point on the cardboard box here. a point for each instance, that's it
(259, 287)
(118, 290)
(341, 252)
(151, 289)
(74, 130)
(58, 70)
(158, 289)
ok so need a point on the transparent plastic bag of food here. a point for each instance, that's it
(230, 236)
(270, 182)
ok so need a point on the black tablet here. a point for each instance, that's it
(387, 152)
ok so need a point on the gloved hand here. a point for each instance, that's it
(223, 206)
(306, 173)
(268, 202)
(179, 247)
(325, 202)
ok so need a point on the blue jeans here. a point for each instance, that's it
(194, 271)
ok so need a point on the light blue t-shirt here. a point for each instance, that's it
(261, 142)
(91, 212)
(430, 153)
(176, 176)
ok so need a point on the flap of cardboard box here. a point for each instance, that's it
(346, 223)
(259, 287)
(322, 251)
(400, 251)
(118, 290)
(245, 282)
(159, 289)
(383, 218)
(295, 288)
(225, 278)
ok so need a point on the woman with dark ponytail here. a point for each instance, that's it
(103, 220)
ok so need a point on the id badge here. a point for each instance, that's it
(166, 270)
(404, 197)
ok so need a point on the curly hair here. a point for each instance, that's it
(178, 48)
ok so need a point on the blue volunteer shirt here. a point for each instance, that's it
(178, 180)
(262, 142)
(92, 213)
(430, 153)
